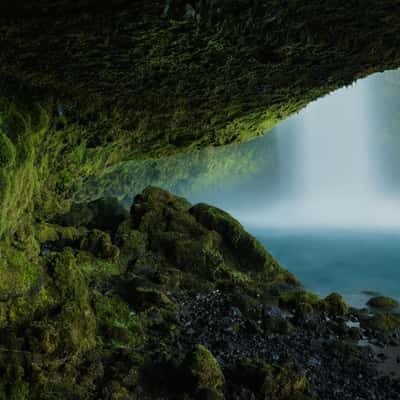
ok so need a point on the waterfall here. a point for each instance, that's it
(336, 162)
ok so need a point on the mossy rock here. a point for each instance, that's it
(385, 323)
(52, 233)
(132, 243)
(297, 299)
(383, 302)
(198, 254)
(75, 321)
(249, 251)
(272, 381)
(99, 244)
(117, 325)
(48, 348)
(148, 208)
(203, 371)
(335, 305)
(104, 214)
(284, 382)
(147, 297)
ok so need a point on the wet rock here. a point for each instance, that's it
(248, 250)
(132, 243)
(383, 302)
(385, 323)
(99, 243)
(203, 373)
(105, 214)
(335, 305)
(146, 297)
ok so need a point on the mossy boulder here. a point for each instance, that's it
(53, 233)
(117, 325)
(201, 240)
(297, 299)
(284, 382)
(48, 347)
(272, 381)
(249, 251)
(154, 208)
(203, 372)
(104, 214)
(99, 243)
(131, 242)
(385, 323)
(383, 302)
(75, 322)
(146, 297)
(335, 305)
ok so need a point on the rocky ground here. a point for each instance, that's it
(174, 301)
(329, 352)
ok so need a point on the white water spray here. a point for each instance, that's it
(336, 169)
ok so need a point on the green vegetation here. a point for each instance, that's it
(277, 382)
(203, 370)
(95, 296)
(382, 302)
(305, 302)
(386, 323)
(335, 305)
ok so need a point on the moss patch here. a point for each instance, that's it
(382, 302)
(203, 370)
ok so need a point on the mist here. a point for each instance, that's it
(336, 165)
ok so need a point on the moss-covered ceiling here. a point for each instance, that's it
(171, 74)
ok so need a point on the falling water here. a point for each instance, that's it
(338, 169)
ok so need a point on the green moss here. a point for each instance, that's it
(298, 299)
(249, 251)
(284, 383)
(7, 152)
(277, 382)
(99, 243)
(146, 297)
(68, 281)
(382, 302)
(131, 243)
(50, 233)
(335, 305)
(384, 322)
(19, 274)
(51, 331)
(203, 370)
(118, 325)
